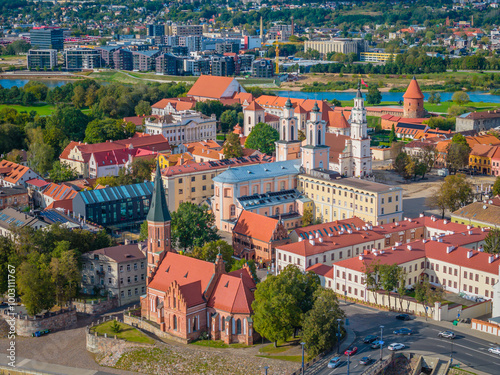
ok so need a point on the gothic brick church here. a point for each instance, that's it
(187, 296)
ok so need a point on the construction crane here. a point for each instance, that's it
(276, 45)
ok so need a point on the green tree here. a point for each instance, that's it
(193, 226)
(403, 165)
(262, 138)
(210, 250)
(7, 255)
(61, 172)
(65, 274)
(319, 330)
(425, 295)
(401, 288)
(143, 108)
(228, 119)
(374, 96)
(372, 278)
(239, 264)
(389, 278)
(143, 234)
(102, 130)
(78, 98)
(141, 169)
(492, 241)
(456, 110)
(232, 146)
(40, 154)
(34, 284)
(457, 153)
(454, 192)
(392, 135)
(91, 96)
(496, 187)
(307, 216)
(460, 98)
(302, 135)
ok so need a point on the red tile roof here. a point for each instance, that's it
(12, 172)
(37, 182)
(59, 192)
(320, 269)
(192, 275)
(483, 150)
(256, 226)
(413, 91)
(354, 222)
(337, 120)
(233, 293)
(254, 106)
(210, 86)
(337, 143)
(180, 104)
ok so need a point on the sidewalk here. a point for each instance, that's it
(346, 342)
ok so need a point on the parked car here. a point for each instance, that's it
(447, 334)
(369, 339)
(403, 331)
(403, 317)
(334, 362)
(396, 346)
(494, 350)
(365, 361)
(351, 350)
(4, 305)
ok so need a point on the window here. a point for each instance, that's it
(193, 179)
(142, 265)
(204, 177)
(180, 180)
(204, 187)
(135, 266)
(180, 191)
(389, 200)
(128, 267)
(128, 279)
(232, 210)
(121, 268)
(129, 292)
(193, 189)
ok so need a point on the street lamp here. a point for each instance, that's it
(265, 368)
(348, 361)
(381, 340)
(302, 344)
(338, 335)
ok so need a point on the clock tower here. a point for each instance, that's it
(360, 142)
(288, 147)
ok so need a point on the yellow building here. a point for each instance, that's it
(338, 199)
(168, 160)
(377, 56)
(480, 158)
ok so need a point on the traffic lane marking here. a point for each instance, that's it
(469, 348)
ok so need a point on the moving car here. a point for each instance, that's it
(351, 350)
(365, 361)
(403, 317)
(334, 362)
(494, 350)
(447, 334)
(369, 339)
(403, 331)
(396, 346)
(375, 344)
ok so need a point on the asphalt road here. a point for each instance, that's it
(469, 350)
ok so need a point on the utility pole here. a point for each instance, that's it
(381, 340)
(302, 344)
(338, 335)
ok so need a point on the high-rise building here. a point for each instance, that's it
(223, 66)
(227, 47)
(47, 38)
(361, 152)
(42, 59)
(82, 58)
(156, 30)
(185, 30)
(263, 68)
(167, 64)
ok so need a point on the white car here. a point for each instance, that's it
(396, 346)
(494, 350)
(334, 362)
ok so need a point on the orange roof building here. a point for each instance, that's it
(13, 174)
(214, 88)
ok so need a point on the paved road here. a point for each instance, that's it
(467, 349)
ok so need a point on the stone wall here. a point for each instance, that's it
(95, 307)
(105, 345)
(26, 326)
(146, 326)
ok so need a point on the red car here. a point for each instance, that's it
(351, 351)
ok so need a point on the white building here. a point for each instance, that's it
(183, 127)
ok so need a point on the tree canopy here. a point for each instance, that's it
(262, 138)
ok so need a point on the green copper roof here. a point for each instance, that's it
(158, 211)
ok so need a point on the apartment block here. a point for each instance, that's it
(41, 59)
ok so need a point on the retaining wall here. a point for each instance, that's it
(26, 326)
(95, 307)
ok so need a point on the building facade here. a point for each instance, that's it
(338, 45)
(47, 38)
(82, 58)
(478, 121)
(43, 59)
(16, 196)
(118, 271)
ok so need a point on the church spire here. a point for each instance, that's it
(158, 211)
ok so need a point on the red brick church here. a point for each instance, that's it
(187, 296)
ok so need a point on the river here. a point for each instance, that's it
(475, 96)
(7, 83)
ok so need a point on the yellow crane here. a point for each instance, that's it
(276, 45)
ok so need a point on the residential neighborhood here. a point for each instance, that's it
(249, 187)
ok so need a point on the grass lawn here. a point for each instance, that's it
(219, 344)
(127, 333)
(42, 109)
(163, 77)
(291, 358)
(443, 107)
(270, 349)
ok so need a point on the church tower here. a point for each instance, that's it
(158, 224)
(360, 142)
(315, 154)
(413, 106)
(288, 147)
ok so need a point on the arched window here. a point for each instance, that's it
(175, 323)
(291, 133)
(290, 208)
(238, 327)
(249, 120)
(157, 302)
(319, 136)
(284, 132)
(233, 210)
(195, 321)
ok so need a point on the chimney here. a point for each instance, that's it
(433, 238)
(469, 254)
(361, 257)
(311, 237)
(349, 231)
(482, 229)
(469, 232)
(445, 221)
(468, 226)
(321, 239)
(301, 239)
(421, 215)
(491, 259)
(398, 244)
(375, 253)
(394, 248)
(480, 248)
(366, 252)
(440, 239)
(449, 249)
(311, 242)
(317, 234)
(408, 247)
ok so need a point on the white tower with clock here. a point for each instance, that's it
(288, 147)
(360, 142)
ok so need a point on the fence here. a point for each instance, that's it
(379, 366)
